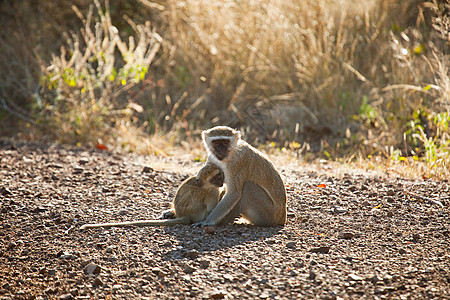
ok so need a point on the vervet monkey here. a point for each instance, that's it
(195, 199)
(254, 188)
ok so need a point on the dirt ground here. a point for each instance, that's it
(349, 235)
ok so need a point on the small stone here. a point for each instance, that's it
(346, 235)
(355, 277)
(92, 269)
(159, 272)
(218, 294)
(372, 278)
(390, 193)
(5, 191)
(192, 254)
(228, 277)
(39, 209)
(339, 210)
(416, 237)
(291, 245)
(312, 275)
(147, 169)
(65, 255)
(189, 270)
(66, 297)
(323, 250)
(83, 161)
(204, 264)
(97, 282)
(78, 170)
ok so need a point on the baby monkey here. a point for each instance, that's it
(195, 199)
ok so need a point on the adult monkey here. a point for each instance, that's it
(254, 188)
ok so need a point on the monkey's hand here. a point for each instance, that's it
(200, 224)
(168, 214)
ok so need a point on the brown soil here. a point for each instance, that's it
(348, 235)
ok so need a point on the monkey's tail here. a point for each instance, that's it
(165, 222)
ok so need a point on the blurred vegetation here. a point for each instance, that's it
(336, 79)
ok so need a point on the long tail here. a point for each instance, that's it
(166, 222)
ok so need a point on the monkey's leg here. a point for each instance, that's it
(232, 215)
(257, 207)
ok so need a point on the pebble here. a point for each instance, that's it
(323, 250)
(147, 169)
(291, 245)
(204, 264)
(189, 270)
(355, 277)
(219, 294)
(339, 210)
(192, 254)
(372, 278)
(92, 269)
(97, 282)
(346, 235)
(5, 191)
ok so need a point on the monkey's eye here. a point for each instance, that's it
(224, 142)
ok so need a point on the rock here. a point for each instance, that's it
(291, 245)
(390, 193)
(339, 210)
(204, 264)
(159, 272)
(65, 255)
(312, 275)
(66, 297)
(372, 278)
(78, 170)
(147, 169)
(97, 282)
(323, 250)
(83, 161)
(5, 191)
(39, 209)
(346, 235)
(193, 254)
(228, 277)
(354, 277)
(92, 269)
(189, 270)
(218, 294)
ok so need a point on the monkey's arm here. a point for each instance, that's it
(223, 209)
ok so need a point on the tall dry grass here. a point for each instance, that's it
(340, 78)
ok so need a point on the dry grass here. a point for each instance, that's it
(350, 81)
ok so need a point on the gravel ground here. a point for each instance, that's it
(348, 235)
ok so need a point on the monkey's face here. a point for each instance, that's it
(218, 179)
(220, 148)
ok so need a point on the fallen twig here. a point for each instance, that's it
(417, 196)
